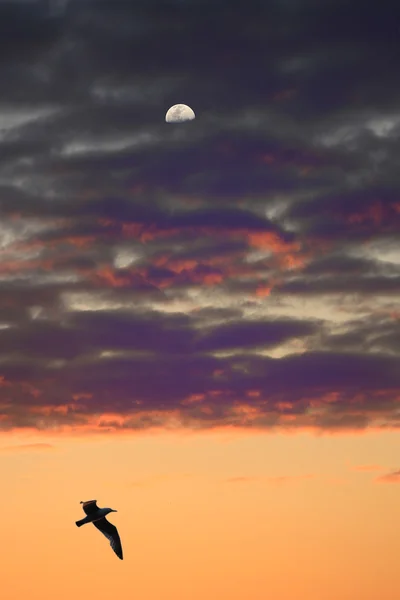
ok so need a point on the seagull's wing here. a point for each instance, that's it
(111, 533)
(90, 507)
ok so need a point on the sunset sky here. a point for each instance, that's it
(200, 322)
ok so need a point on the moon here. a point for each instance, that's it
(179, 113)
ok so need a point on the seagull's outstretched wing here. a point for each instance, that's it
(111, 533)
(90, 507)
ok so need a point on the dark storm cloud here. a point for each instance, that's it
(341, 264)
(148, 273)
(242, 335)
(152, 332)
(346, 285)
(332, 391)
(340, 371)
(351, 215)
(379, 334)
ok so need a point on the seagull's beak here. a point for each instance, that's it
(115, 511)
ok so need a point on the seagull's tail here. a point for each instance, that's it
(80, 523)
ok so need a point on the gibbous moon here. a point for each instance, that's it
(179, 113)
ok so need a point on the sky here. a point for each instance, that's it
(199, 322)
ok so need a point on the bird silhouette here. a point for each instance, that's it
(97, 516)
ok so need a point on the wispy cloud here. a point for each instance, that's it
(242, 479)
(38, 447)
(277, 480)
(367, 468)
(392, 477)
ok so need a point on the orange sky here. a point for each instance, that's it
(202, 517)
(233, 280)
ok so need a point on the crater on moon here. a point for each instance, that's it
(179, 113)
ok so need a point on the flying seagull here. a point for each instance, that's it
(97, 516)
